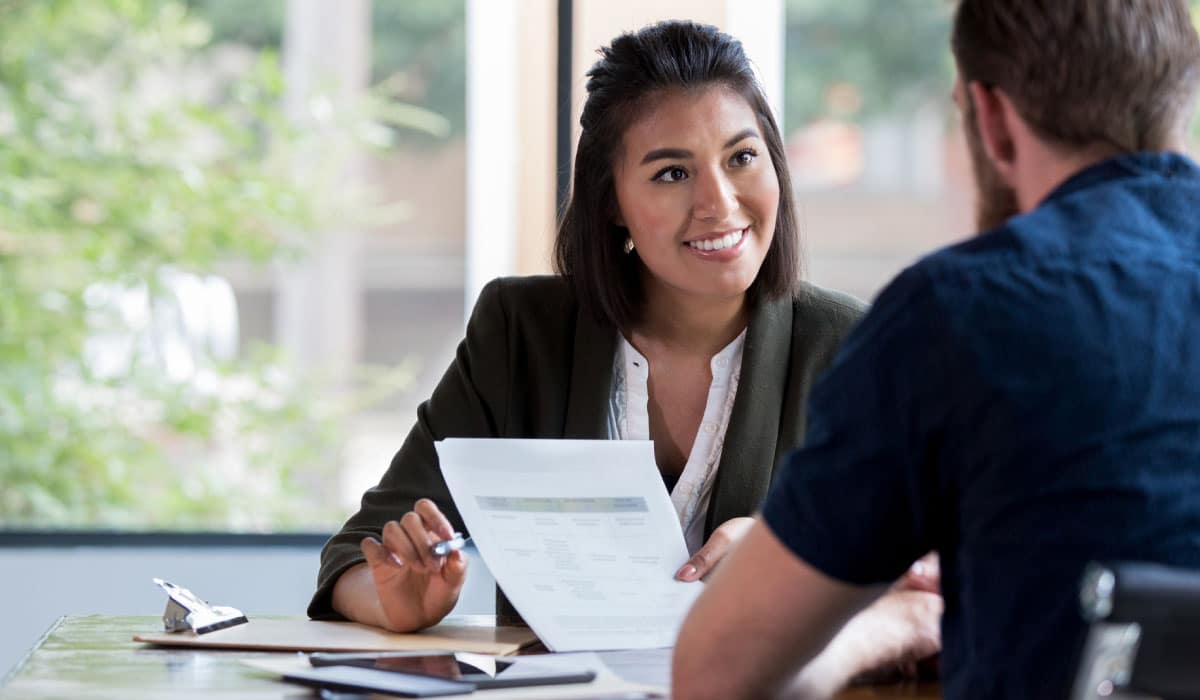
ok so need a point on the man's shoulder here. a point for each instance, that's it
(1139, 206)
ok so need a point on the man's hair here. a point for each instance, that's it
(1084, 72)
(631, 72)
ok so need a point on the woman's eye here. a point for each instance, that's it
(743, 158)
(672, 174)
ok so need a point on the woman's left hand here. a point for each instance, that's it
(721, 543)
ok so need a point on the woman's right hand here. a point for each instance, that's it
(416, 588)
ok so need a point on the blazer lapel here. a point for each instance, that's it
(591, 379)
(748, 456)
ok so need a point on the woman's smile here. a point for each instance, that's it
(719, 246)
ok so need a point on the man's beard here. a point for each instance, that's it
(995, 202)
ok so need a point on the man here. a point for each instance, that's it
(1024, 402)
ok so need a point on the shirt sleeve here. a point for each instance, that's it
(859, 500)
(469, 401)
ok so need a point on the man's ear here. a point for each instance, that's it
(994, 119)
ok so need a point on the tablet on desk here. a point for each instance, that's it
(482, 672)
(357, 679)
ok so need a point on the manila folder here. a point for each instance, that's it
(298, 634)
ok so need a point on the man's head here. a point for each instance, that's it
(1049, 86)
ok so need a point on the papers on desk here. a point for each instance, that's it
(580, 535)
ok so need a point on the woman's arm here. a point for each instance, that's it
(469, 401)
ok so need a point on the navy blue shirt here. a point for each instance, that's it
(1023, 402)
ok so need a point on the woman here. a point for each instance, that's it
(676, 316)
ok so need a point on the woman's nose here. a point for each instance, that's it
(715, 197)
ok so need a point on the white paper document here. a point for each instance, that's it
(580, 535)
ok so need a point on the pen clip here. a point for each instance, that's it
(455, 543)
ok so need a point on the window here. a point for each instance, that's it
(234, 236)
(231, 244)
(881, 172)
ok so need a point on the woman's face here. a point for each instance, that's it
(697, 190)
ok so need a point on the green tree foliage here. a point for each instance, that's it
(418, 52)
(113, 175)
(854, 59)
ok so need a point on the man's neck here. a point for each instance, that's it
(1050, 166)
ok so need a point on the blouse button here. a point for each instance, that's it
(722, 362)
(710, 428)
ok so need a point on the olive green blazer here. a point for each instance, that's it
(533, 365)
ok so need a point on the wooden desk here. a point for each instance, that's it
(91, 658)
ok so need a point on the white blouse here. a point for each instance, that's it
(629, 419)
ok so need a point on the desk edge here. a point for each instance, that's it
(20, 665)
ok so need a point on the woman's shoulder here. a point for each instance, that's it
(530, 296)
(536, 312)
(815, 307)
(530, 329)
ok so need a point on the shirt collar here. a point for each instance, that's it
(1166, 164)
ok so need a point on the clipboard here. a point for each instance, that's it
(298, 634)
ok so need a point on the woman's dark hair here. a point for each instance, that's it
(589, 248)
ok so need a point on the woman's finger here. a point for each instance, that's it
(705, 558)
(420, 536)
(454, 570)
(435, 520)
(399, 546)
(718, 546)
(378, 555)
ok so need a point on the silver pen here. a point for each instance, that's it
(455, 543)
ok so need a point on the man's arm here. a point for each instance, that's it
(764, 615)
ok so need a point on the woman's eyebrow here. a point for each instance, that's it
(743, 134)
(666, 154)
(680, 153)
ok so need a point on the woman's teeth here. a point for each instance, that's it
(729, 240)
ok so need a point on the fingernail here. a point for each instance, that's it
(396, 559)
(687, 572)
(918, 568)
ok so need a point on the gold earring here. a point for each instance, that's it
(628, 245)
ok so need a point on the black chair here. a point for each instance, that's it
(1144, 635)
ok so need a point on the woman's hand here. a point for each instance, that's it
(719, 544)
(416, 588)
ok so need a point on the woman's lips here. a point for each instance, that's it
(730, 245)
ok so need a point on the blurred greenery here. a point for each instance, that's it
(1196, 119)
(127, 155)
(858, 59)
(418, 50)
